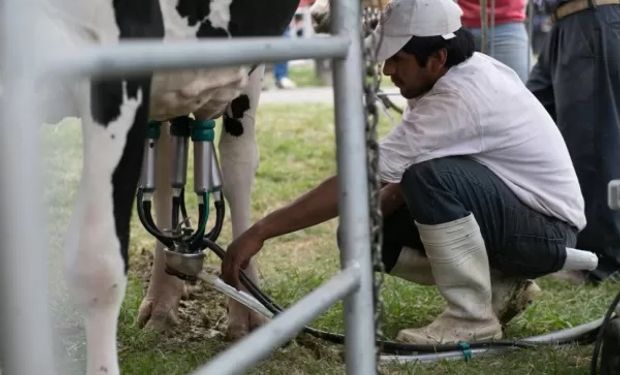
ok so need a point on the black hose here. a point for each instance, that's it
(220, 213)
(388, 347)
(176, 205)
(183, 208)
(195, 241)
(144, 213)
(599, 337)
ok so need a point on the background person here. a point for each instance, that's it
(577, 79)
(280, 70)
(507, 41)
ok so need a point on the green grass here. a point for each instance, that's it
(304, 75)
(297, 151)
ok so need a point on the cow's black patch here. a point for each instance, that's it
(139, 18)
(239, 105)
(247, 17)
(194, 11)
(106, 98)
(233, 126)
(127, 173)
(232, 122)
(135, 19)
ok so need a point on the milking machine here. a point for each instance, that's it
(185, 246)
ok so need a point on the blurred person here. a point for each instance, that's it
(508, 37)
(577, 79)
(280, 70)
(541, 26)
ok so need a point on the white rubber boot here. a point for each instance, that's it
(511, 296)
(460, 268)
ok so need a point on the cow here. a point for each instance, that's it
(320, 13)
(115, 112)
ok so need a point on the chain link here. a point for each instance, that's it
(372, 81)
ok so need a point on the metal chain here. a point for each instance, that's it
(372, 81)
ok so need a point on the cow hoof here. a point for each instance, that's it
(158, 310)
(242, 321)
(152, 316)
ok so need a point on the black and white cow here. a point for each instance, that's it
(114, 114)
(320, 13)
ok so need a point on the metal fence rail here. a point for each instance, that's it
(26, 335)
(23, 260)
(145, 56)
(284, 326)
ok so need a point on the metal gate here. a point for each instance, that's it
(26, 345)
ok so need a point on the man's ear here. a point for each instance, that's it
(437, 61)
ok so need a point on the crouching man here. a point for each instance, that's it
(480, 193)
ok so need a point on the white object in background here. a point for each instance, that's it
(613, 194)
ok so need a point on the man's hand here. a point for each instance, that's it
(238, 255)
(316, 206)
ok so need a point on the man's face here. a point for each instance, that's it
(412, 79)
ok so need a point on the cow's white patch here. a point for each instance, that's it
(219, 14)
(93, 18)
(95, 268)
(207, 91)
(175, 26)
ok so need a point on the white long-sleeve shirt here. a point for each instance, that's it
(481, 109)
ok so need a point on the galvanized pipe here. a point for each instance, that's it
(263, 341)
(24, 314)
(492, 29)
(484, 26)
(530, 33)
(145, 56)
(352, 155)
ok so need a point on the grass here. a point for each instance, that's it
(297, 151)
(304, 75)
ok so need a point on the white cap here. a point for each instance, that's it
(402, 19)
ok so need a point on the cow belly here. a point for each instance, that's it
(177, 93)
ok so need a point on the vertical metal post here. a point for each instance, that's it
(492, 29)
(484, 26)
(530, 33)
(352, 171)
(26, 334)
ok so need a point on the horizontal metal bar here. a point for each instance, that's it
(259, 344)
(137, 57)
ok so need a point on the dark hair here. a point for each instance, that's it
(459, 48)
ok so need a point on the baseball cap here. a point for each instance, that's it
(402, 19)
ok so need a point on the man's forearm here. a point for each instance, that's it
(314, 207)
(391, 199)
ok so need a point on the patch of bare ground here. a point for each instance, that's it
(202, 311)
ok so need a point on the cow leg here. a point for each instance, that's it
(239, 158)
(159, 308)
(97, 245)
